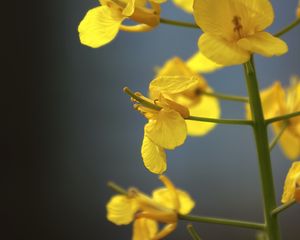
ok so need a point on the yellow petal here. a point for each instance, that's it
(121, 209)
(163, 196)
(201, 64)
(215, 16)
(290, 183)
(207, 107)
(167, 130)
(144, 229)
(270, 101)
(222, 51)
(175, 67)
(263, 43)
(98, 27)
(158, 1)
(186, 5)
(172, 84)
(154, 156)
(289, 142)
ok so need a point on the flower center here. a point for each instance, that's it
(237, 25)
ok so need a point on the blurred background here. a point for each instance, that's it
(72, 128)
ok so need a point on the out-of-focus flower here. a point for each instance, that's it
(177, 82)
(234, 29)
(291, 189)
(186, 5)
(201, 64)
(101, 24)
(278, 101)
(166, 129)
(298, 10)
(147, 212)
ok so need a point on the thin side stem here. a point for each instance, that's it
(277, 137)
(226, 97)
(288, 28)
(221, 121)
(116, 188)
(178, 23)
(262, 146)
(283, 117)
(192, 231)
(283, 207)
(222, 221)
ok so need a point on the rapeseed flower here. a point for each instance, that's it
(234, 29)
(278, 101)
(146, 212)
(102, 24)
(186, 5)
(291, 189)
(166, 129)
(177, 82)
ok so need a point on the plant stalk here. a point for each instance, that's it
(262, 146)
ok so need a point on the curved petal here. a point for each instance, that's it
(163, 196)
(207, 107)
(222, 51)
(201, 64)
(98, 27)
(121, 209)
(263, 43)
(173, 84)
(186, 5)
(129, 9)
(175, 67)
(154, 156)
(290, 183)
(216, 16)
(289, 142)
(144, 229)
(167, 130)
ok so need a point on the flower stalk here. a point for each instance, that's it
(222, 221)
(262, 146)
(283, 207)
(178, 23)
(192, 231)
(288, 28)
(277, 137)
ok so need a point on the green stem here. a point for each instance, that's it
(226, 97)
(192, 231)
(288, 28)
(222, 221)
(283, 207)
(283, 117)
(221, 121)
(117, 188)
(178, 23)
(277, 137)
(262, 146)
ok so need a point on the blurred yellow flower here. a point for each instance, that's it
(234, 29)
(101, 24)
(279, 101)
(186, 5)
(147, 212)
(298, 10)
(291, 189)
(177, 82)
(166, 129)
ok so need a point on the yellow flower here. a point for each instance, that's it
(234, 29)
(201, 64)
(101, 24)
(147, 212)
(291, 189)
(298, 10)
(166, 129)
(177, 82)
(278, 101)
(186, 5)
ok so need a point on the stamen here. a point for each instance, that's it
(198, 91)
(237, 25)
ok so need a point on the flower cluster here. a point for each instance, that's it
(180, 102)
